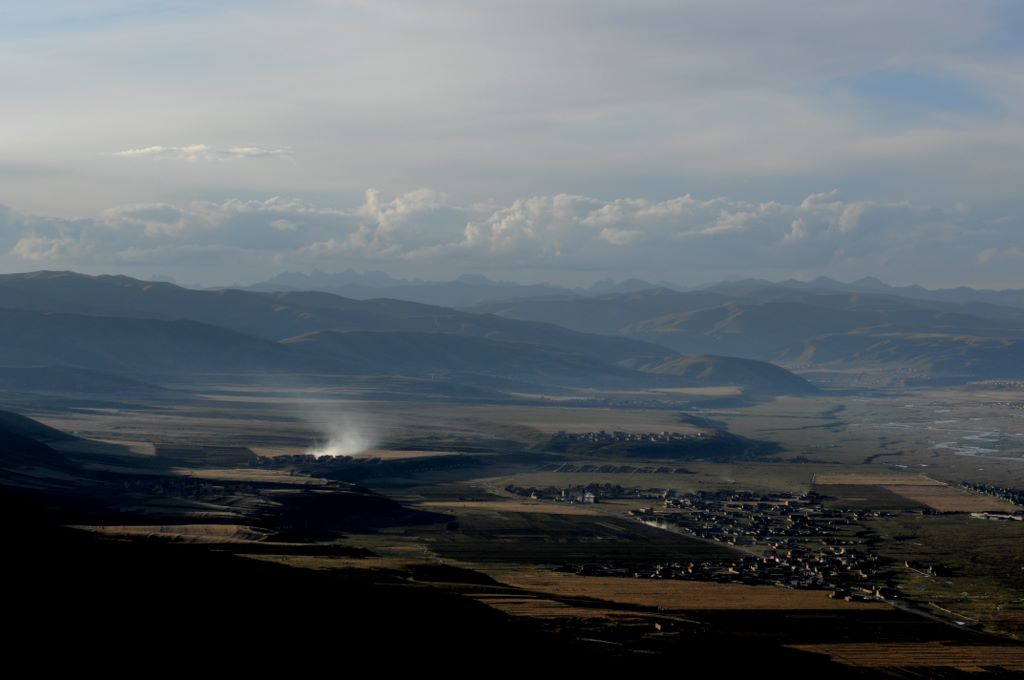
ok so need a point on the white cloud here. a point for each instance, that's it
(33, 248)
(551, 237)
(202, 152)
(619, 237)
(797, 231)
(284, 225)
(991, 255)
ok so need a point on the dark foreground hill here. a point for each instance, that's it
(24, 443)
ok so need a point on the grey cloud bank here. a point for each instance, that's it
(568, 239)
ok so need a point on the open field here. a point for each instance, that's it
(887, 491)
(538, 607)
(981, 565)
(879, 479)
(673, 595)
(489, 536)
(511, 506)
(866, 497)
(964, 657)
(720, 391)
(883, 452)
(199, 533)
(952, 499)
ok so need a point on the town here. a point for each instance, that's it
(785, 539)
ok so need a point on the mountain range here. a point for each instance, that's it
(804, 328)
(159, 332)
(470, 290)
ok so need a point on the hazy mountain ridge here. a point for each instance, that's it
(804, 327)
(57, 378)
(1009, 297)
(163, 331)
(465, 291)
(437, 353)
(276, 316)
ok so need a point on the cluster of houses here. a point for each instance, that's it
(791, 540)
(603, 437)
(589, 493)
(1014, 405)
(297, 459)
(614, 469)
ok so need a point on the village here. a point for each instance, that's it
(1015, 496)
(602, 437)
(784, 539)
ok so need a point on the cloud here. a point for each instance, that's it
(619, 237)
(745, 99)
(202, 152)
(991, 255)
(34, 248)
(797, 231)
(564, 237)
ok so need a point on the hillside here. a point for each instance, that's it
(805, 327)
(23, 444)
(757, 377)
(133, 332)
(133, 347)
(69, 379)
(461, 357)
(276, 316)
(609, 314)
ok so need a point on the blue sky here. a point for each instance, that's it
(459, 114)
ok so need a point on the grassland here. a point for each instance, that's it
(894, 490)
(902, 452)
(673, 595)
(962, 657)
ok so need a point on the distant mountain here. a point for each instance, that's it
(608, 286)
(607, 314)
(186, 350)
(277, 333)
(148, 348)
(871, 285)
(418, 354)
(803, 326)
(70, 379)
(276, 316)
(467, 290)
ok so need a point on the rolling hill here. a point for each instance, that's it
(97, 352)
(24, 444)
(133, 330)
(804, 328)
(755, 376)
(276, 316)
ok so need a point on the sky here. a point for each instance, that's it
(221, 142)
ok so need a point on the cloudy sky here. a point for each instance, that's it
(221, 141)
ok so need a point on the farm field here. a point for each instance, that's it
(222, 465)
